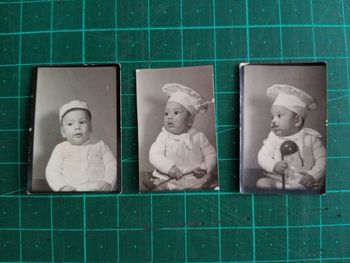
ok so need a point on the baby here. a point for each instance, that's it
(182, 156)
(80, 164)
(293, 157)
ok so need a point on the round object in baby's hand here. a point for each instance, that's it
(288, 148)
(199, 173)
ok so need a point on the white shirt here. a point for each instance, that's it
(186, 151)
(310, 147)
(81, 166)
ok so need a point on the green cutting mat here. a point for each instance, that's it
(205, 226)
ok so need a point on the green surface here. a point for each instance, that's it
(205, 226)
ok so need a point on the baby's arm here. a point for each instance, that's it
(280, 167)
(53, 171)
(209, 153)
(319, 168)
(107, 182)
(307, 180)
(265, 156)
(175, 173)
(157, 155)
(110, 163)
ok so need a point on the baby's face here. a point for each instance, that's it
(177, 119)
(284, 122)
(76, 127)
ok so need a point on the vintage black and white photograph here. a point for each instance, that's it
(176, 129)
(75, 130)
(283, 128)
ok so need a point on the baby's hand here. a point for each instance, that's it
(175, 173)
(280, 167)
(307, 180)
(68, 188)
(199, 173)
(104, 186)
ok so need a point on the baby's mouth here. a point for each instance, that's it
(170, 124)
(276, 129)
(78, 135)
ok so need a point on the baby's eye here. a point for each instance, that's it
(69, 124)
(166, 114)
(177, 112)
(279, 115)
(83, 122)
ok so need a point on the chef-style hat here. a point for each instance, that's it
(187, 97)
(292, 98)
(74, 104)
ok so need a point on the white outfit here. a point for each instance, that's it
(81, 166)
(186, 151)
(312, 153)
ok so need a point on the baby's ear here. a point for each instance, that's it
(63, 133)
(190, 120)
(299, 121)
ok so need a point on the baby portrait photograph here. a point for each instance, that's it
(176, 129)
(283, 128)
(75, 138)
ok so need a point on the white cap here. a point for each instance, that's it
(292, 98)
(74, 104)
(185, 96)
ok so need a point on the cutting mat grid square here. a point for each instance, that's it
(193, 226)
